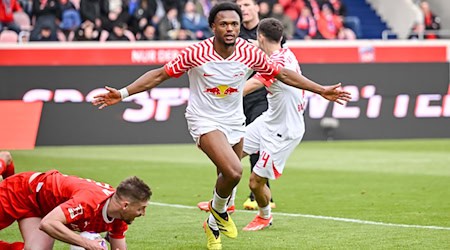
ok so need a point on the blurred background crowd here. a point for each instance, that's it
(135, 20)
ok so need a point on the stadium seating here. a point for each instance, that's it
(23, 20)
(371, 24)
(9, 36)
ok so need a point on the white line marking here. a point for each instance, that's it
(319, 217)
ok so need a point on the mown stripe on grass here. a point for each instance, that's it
(319, 217)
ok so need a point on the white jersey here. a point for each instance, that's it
(284, 115)
(216, 84)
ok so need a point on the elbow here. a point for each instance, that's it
(44, 225)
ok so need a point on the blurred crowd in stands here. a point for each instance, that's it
(134, 20)
(429, 27)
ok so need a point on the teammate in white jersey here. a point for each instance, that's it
(279, 130)
(218, 68)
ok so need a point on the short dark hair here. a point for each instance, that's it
(134, 189)
(221, 7)
(271, 28)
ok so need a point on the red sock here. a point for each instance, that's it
(2, 167)
(9, 170)
(11, 246)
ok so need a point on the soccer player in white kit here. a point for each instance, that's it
(218, 68)
(278, 131)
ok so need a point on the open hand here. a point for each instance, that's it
(335, 94)
(107, 99)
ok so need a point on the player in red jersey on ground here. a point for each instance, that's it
(52, 205)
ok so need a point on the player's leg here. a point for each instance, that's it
(218, 149)
(262, 194)
(33, 237)
(252, 112)
(5, 221)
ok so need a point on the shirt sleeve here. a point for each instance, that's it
(266, 82)
(75, 209)
(180, 64)
(265, 66)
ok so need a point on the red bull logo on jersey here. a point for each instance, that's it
(221, 90)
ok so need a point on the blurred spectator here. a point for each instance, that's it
(90, 11)
(306, 26)
(292, 8)
(44, 35)
(46, 13)
(70, 17)
(339, 8)
(27, 6)
(206, 6)
(157, 11)
(288, 24)
(24, 37)
(315, 7)
(431, 21)
(118, 32)
(87, 32)
(265, 10)
(7, 9)
(328, 23)
(195, 22)
(112, 13)
(183, 35)
(169, 25)
(345, 33)
(139, 11)
(148, 33)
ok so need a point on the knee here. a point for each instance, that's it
(255, 184)
(235, 175)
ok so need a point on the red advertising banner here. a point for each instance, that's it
(158, 53)
(20, 122)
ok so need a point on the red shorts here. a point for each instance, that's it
(17, 199)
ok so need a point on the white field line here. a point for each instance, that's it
(319, 217)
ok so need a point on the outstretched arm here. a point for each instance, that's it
(331, 93)
(147, 81)
(252, 85)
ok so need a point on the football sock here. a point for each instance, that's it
(232, 197)
(212, 222)
(265, 212)
(219, 204)
(9, 170)
(2, 167)
(11, 246)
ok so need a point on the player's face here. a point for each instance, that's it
(133, 210)
(249, 10)
(226, 27)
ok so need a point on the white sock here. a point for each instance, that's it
(265, 212)
(219, 204)
(212, 222)
(232, 197)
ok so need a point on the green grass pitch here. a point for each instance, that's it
(377, 194)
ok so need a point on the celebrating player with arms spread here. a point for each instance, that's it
(218, 68)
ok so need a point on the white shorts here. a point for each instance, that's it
(198, 127)
(274, 149)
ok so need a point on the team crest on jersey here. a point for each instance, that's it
(75, 211)
(221, 91)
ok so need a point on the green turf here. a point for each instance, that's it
(401, 182)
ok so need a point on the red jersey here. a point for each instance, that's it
(82, 201)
